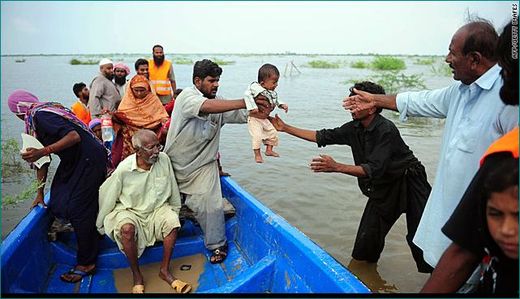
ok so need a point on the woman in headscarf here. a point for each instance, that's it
(139, 109)
(82, 169)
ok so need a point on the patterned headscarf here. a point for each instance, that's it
(55, 108)
(121, 65)
(94, 122)
(20, 101)
(142, 113)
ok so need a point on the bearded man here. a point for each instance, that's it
(162, 75)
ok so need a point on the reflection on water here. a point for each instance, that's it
(367, 272)
(326, 207)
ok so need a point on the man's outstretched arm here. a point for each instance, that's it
(364, 100)
(281, 126)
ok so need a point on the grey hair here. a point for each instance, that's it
(140, 136)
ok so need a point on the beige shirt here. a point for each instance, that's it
(193, 137)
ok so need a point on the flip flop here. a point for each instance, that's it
(138, 289)
(180, 286)
(219, 255)
(76, 272)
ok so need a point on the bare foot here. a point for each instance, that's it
(165, 275)
(222, 173)
(258, 156)
(272, 154)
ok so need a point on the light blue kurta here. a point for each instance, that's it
(475, 117)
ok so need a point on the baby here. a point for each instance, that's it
(261, 130)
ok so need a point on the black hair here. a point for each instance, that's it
(157, 46)
(481, 37)
(368, 87)
(139, 62)
(267, 70)
(503, 174)
(498, 173)
(204, 68)
(78, 87)
(509, 91)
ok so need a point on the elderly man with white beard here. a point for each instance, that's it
(139, 204)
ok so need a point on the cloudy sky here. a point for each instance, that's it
(239, 27)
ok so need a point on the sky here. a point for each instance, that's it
(308, 27)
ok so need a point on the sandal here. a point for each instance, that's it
(180, 286)
(219, 255)
(138, 289)
(75, 275)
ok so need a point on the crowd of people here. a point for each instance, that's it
(463, 229)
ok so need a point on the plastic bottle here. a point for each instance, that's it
(107, 132)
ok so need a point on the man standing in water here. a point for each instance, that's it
(475, 117)
(162, 75)
(192, 144)
(388, 174)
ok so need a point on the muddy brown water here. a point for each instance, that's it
(326, 207)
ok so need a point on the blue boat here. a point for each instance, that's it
(266, 255)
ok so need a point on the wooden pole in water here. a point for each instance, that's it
(292, 63)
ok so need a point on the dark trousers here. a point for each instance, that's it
(377, 222)
(87, 238)
(82, 210)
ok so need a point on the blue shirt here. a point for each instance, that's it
(475, 117)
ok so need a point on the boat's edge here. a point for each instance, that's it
(337, 274)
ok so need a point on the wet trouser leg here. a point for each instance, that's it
(418, 190)
(370, 239)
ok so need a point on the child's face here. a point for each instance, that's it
(270, 83)
(502, 219)
(97, 131)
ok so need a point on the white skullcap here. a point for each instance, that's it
(105, 61)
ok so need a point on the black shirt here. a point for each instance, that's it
(379, 149)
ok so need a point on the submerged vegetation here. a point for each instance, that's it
(424, 61)
(441, 69)
(222, 62)
(182, 60)
(388, 63)
(322, 64)
(395, 81)
(75, 61)
(28, 193)
(11, 163)
(13, 167)
(359, 64)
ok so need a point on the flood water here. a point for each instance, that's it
(326, 207)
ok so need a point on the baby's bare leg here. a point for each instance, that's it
(258, 156)
(269, 151)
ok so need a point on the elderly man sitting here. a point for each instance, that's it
(139, 204)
